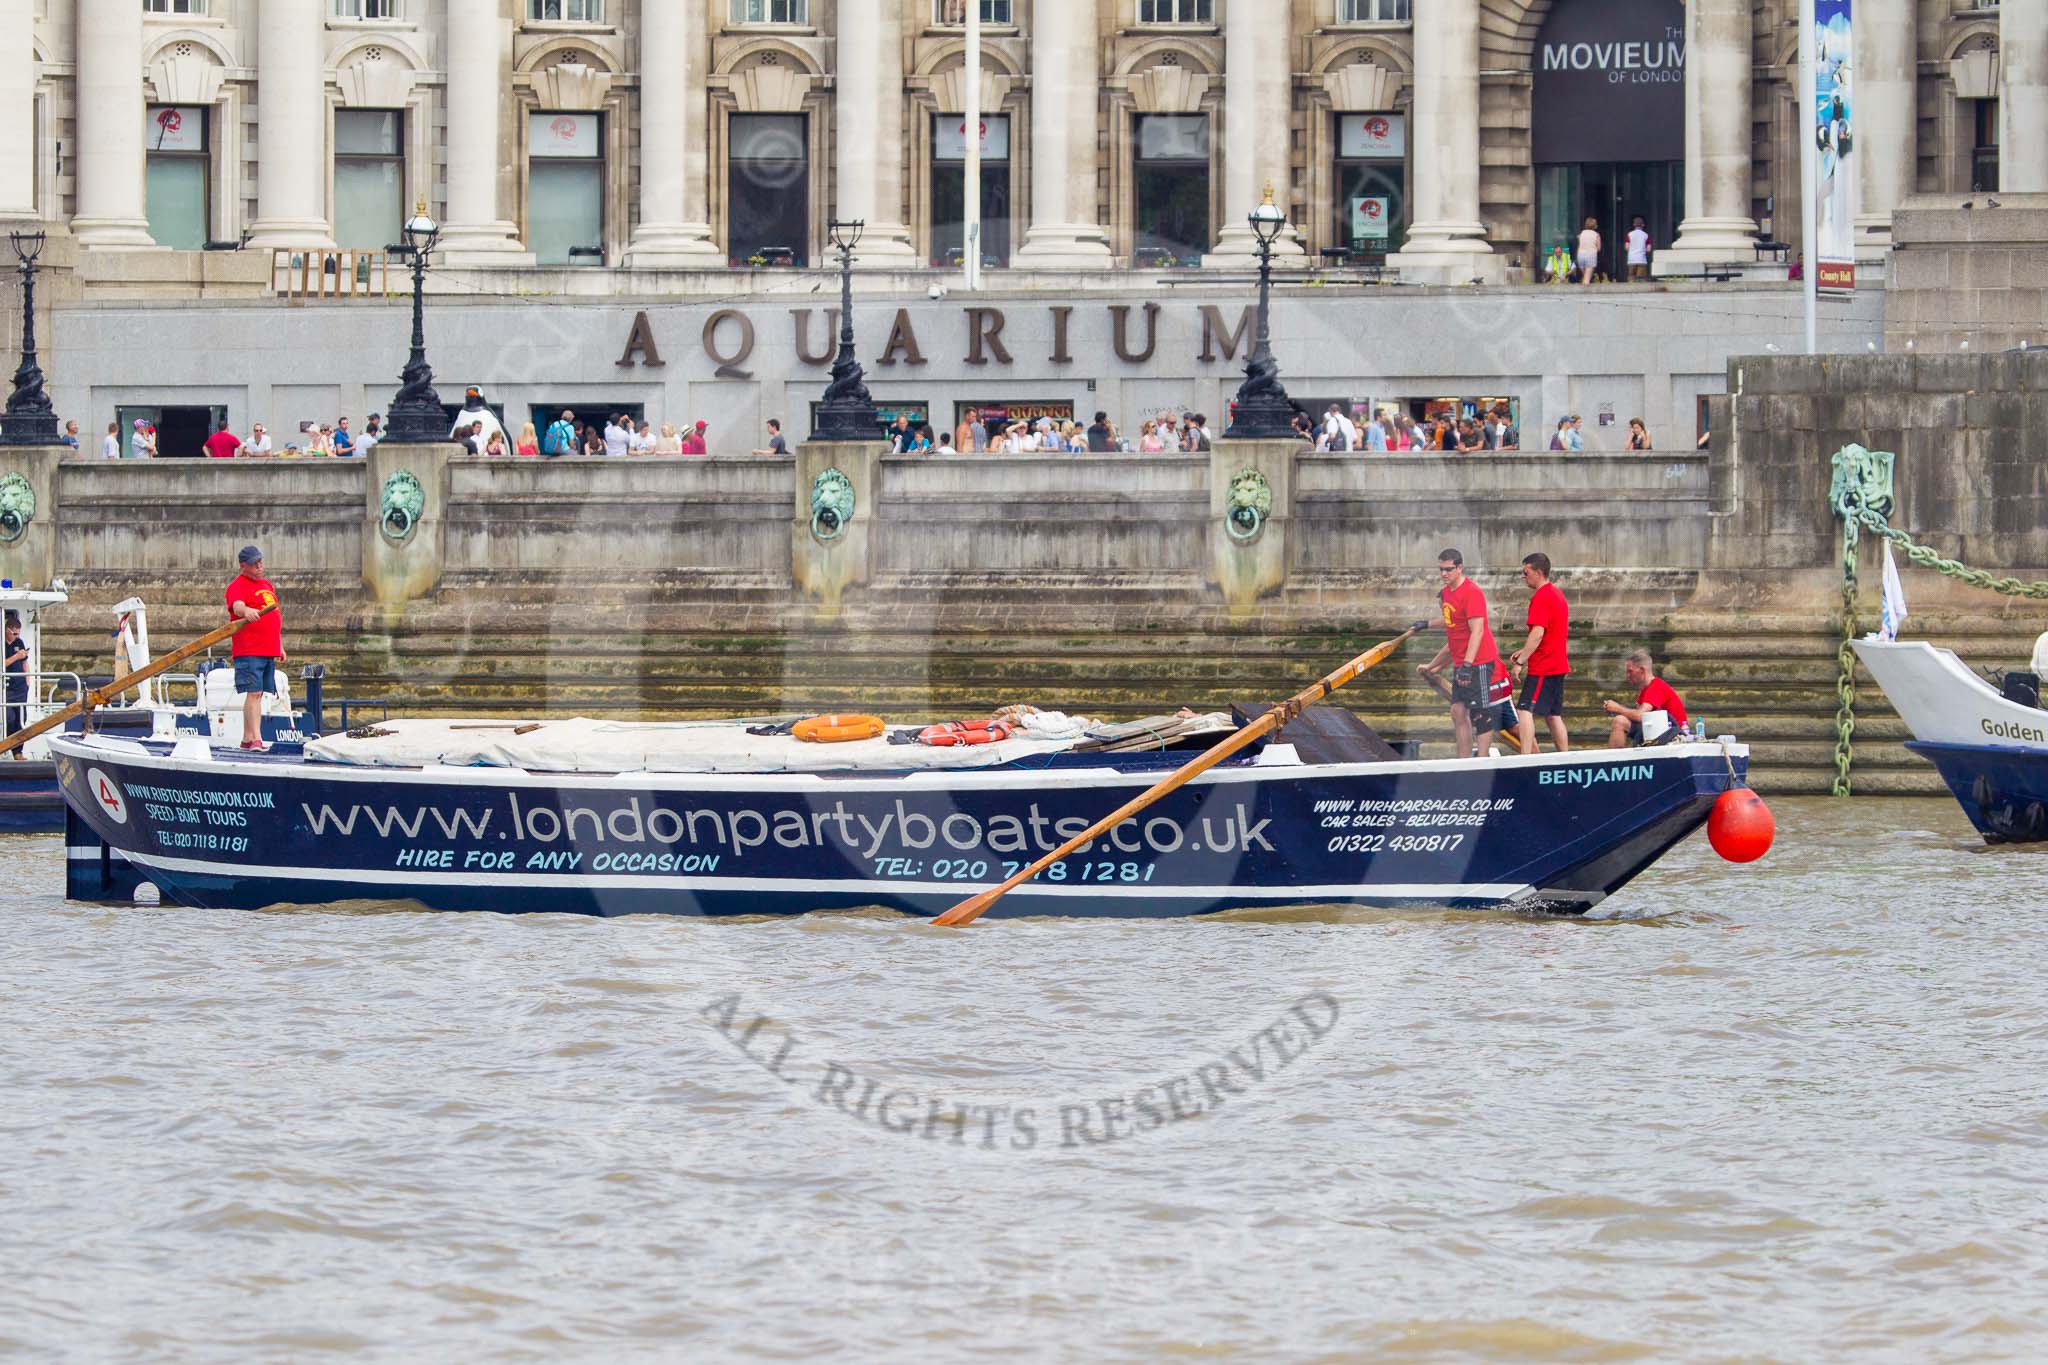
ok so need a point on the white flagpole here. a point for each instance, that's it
(970, 221)
(1809, 176)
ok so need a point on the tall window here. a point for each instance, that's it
(366, 9)
(1171, 208)
(176, 175)
(174, 6)
(1372, 209)
(369, 178)
(1176, 11)
(570, 11)
(1984, 156)
(771, 11)
(949, 188)
(767, 189)
(565, 188)
(1372, 11)
(954, 12)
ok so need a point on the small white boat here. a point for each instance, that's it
(1990, 745)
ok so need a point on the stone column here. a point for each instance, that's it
(1887, 132)
(1717, 226)
(1066, 60)
(110, 186)
(1257, 100)
(869, 111)
(477, 145)
(291, 156)
(1446, 242)
(2023, 97)
(17, 112)
(673, 231)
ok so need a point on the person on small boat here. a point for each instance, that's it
(1652, 694)
(1476, 667)
(1543, 657)
(17, 678)
(259, 646)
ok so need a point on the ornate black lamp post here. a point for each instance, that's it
(1262, 410)
(416, 416)
(848, 412)
(31, 418)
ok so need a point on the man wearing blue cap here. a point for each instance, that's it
(258, 646)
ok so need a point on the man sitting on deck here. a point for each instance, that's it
(1652, 694)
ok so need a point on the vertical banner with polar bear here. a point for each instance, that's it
(1836, 194)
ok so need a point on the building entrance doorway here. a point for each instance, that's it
(1613, 194)
(181, 432)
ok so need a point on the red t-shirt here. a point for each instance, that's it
(223, 444)
(1547, 609)
(1660, 695)
(262, 639)
(1464, 605)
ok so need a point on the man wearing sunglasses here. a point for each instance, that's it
(1476, 671)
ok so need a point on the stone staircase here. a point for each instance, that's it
(1770, 683)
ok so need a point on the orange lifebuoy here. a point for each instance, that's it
(961, 732)
(838, 729)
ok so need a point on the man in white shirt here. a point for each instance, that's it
(618, 435)
(258, 442)
(1638, 251)
(110, 448)
(372, 432)
(642, 440)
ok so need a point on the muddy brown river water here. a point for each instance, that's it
(1793, 1111)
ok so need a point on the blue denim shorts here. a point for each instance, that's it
(255, 675)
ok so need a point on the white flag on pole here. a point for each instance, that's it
(1894, 598)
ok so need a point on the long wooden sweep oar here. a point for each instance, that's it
(969, 910)
(100, 696)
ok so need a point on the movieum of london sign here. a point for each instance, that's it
(730, 336)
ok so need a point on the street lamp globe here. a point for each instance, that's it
(1267, 219)
(421, 231)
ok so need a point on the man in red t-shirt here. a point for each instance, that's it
(1543, 657)
(1469, 649)
(223, 443)
(258, 646)
(1653, 694)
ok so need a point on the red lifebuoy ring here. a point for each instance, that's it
(962, 732)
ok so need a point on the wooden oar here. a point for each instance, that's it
(101, 696)
(969, 910)
(1443, 689)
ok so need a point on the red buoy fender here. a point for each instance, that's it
(961, 732)
(1741, 828)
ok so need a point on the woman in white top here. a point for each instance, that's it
(670, 443)
(1589, 251)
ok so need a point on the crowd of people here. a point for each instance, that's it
(1481, 686)
(478, 431)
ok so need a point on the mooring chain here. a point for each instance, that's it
(1855, 517)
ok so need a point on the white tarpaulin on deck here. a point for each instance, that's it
(598, 746)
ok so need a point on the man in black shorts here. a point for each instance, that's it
(1543, 656)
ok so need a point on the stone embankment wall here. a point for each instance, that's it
(1113, 584)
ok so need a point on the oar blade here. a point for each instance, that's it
(967, 911)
